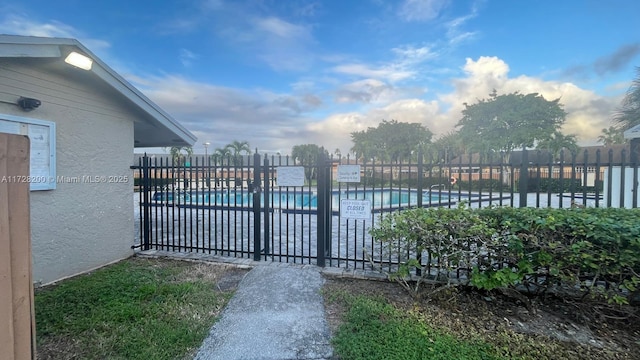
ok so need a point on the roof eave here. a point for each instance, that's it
(42, 47)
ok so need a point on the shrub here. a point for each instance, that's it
(552, 185)
(153, 182)
(576, 252)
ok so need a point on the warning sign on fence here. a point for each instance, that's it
(355, 209)
(349, 173)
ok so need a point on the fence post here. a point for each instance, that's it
(322, 208)
(524, 177)
(256, 206)
(329, 209)
(146, 207)
(420, 204)
(267, 188)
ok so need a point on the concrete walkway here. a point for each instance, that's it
(277, 312)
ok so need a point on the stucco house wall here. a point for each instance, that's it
(80, 225)
(99, 117)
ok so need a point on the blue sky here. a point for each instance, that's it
(281, 73)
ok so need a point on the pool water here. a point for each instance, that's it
(380, 198)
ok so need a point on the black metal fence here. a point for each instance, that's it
(243, 206)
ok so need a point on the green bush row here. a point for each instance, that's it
(576, 252)
(153, 182)
(555, 185)
(485, 185)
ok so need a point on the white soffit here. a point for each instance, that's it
(633, 133)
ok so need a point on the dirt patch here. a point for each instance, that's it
(224, 277)
(231, 278)
(553, 329)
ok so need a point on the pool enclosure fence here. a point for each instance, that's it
(319, 210)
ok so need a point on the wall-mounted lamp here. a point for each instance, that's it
(79, 60)
(28, 104)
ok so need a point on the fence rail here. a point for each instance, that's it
(236, 206)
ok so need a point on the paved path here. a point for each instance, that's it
(277, 313)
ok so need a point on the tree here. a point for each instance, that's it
(177, 155)
(237, 148)
(179, 159)
(219, 154)
(306, 155)
(390, 140)
(447, 147)
(556, 142)
(508, 122)
(611, 136)
(628, 115)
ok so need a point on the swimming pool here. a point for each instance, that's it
(379, 198)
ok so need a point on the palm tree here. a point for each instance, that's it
(179, 159)
(557, 142)
(237, 147)
(611, 136)
(628, 114)
(219, 154)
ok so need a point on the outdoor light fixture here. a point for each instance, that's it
(79, 60)
(28, 104)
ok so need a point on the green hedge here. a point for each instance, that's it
(578, 252)
(484, 185)
(153, 182)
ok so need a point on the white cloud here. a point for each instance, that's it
(187, 57)
(421, 10)
(363, 91)
(22, 25)
(587, 111)
(454, 33)
(16, 24)
(411, 55)
(282, 45)
(271, 120)
(390, 73)
(282, 29)
(335, 131)
(406, 65)
(220, 114)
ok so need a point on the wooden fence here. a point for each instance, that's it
(17, 317)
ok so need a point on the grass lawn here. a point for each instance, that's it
(135, 309)
(374, 329)
(379, 320)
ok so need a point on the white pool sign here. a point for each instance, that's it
(355, 209)
(290, 176)
(349, 173)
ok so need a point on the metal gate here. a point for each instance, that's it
(239, 207)
(233, 207)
